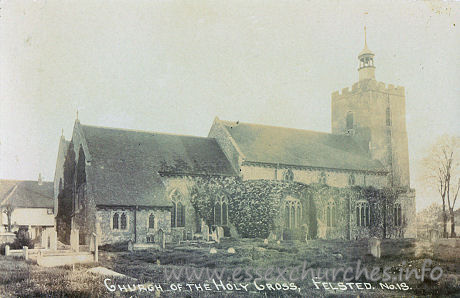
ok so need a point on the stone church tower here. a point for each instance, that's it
(375, 115)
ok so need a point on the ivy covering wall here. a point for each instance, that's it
(255, 206)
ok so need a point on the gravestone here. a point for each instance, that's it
(231, 250)
(7, 250)
(96, 247)
(130, 245)
(75, 240)
(25, 250)
(205, 231)
(44, 238)
(374, 247)
(214, 236)
(220, 232)
(213, 251)
(265, 241)
(162, 239)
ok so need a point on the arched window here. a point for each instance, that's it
(178, 209)
(115, 225)
(388, 117)
(397, 214)
(123, 221)
(322, 178)
(224, 213)
(351, 180)
(151, 221)
(217, 213)
(363, 214)
(288, 175)
(180, 214)
(350, 120)
(293, 213)
(331, 214)
(221, 211)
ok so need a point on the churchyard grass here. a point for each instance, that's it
(21, 278)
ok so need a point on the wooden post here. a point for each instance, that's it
(25, 250)
(7, 250)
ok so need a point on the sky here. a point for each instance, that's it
(173, 66)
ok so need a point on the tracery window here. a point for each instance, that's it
(331, 214)
(221, 211)
(322, 178)
(351, 180)
(178, 210)
(293, 213)
(288, 175)
(120, 220)
(363, 214)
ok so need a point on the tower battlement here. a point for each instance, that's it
(369, 85)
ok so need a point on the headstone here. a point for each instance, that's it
(7, 250)
(265, 241)
(213, 251)
(130, 245)
(53, 236)
(205, 232)
(162, 239)
(44, 237)
(231, 250)
(374, 247)
(75, 240)
(25, 250)
(214, 236)
(220, 232)
(278, 242)
(96, 247)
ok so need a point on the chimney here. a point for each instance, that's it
(40, 182)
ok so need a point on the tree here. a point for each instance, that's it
(442, 173)
(8, 211)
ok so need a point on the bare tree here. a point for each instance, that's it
(442, 173)
(8, 210)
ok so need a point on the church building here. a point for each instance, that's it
(142, 186)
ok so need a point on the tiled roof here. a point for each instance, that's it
(26, 194)
(297, 147)
(125, 163)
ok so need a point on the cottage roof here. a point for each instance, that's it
(26, 194)
(298, 147)
(125, 164)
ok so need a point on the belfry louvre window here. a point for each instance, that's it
(178, 210)
(349, 120)
(397, 214)
(388, 117)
